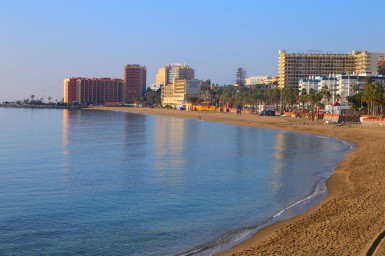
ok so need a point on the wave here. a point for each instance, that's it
(319, 189)
(235, 237)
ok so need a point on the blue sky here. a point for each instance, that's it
(44, 41)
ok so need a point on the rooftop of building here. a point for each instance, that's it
(97, 78)
(319, 52)
(307, 80)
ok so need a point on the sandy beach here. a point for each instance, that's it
(352, 217)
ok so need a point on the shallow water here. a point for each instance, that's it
(94, 183)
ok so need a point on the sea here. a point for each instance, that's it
(83, 182)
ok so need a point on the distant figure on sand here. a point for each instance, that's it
(239, 109)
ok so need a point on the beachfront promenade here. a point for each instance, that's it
(349, 220)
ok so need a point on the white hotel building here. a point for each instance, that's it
(342, 85)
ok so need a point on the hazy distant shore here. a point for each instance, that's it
(45, 106)
(348, 221)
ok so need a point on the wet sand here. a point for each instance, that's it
(348, 221)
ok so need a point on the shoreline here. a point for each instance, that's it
(47, 106)
(348, 221)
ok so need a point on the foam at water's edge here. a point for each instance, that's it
(233, 238)
(236, 237)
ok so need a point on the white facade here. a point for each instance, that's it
(331, 83)
(345, 87)
(253, 80)
(155, 87)
(308, 84)
(339, 85)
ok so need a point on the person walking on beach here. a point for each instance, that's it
(239, 109)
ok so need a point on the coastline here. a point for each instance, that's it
(351, 217)
(49, 106)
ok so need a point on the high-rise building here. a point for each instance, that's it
(167, 73)
(296, 66)
(180, 72)
(69, 90)
(367, 62)
(162, 75)
(175, 93)
(135, 81)
(93, 90)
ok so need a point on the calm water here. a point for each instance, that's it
(106, 183)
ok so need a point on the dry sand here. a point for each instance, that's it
(349, 220)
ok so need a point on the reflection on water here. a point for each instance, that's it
(279, 157)
(169, 143)
(119, 180)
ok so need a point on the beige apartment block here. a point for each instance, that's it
(162, 75)
(167, 73)
(175, 93)
(293, 67)
(367, 62)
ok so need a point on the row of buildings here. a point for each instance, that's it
(177, 82)
(101, 90)
(340, 86)
(292, 67)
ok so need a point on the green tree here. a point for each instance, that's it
(381, 67)
(326, 94)
(224, 99)
(228, 95)
(374, 96)
(303, 98)
(216, 93)
(356, 101)
(192, 99)
(290, 96)
(240, 76)
(49, 98)
(338, 97)
(315, 99)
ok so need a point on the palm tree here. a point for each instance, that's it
(256, 97)
(374, 96)
(338, 97)
(49, 98)
(326, 94)
(290, 96)
(314, 98)
(275, 94)
(303, 98)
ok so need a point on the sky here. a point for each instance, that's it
(42, 42)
